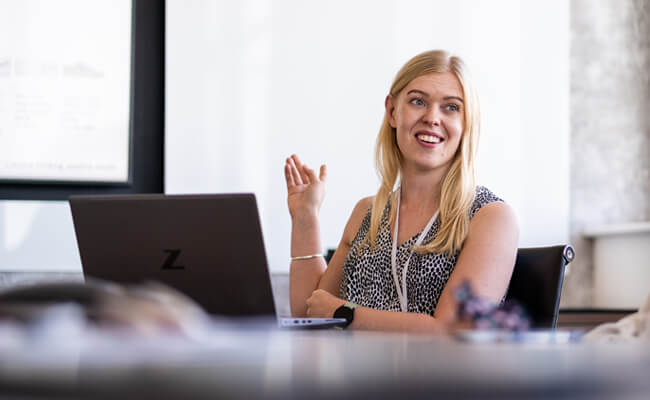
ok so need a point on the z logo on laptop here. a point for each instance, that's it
(171, 257)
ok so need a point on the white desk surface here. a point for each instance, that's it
(268, 363)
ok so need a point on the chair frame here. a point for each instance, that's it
(537, 279)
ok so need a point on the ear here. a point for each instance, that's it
(390, 110)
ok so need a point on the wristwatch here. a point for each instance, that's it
(346, 311)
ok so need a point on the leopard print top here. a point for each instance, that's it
(367, 278)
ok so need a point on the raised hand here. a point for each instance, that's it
(305, 190)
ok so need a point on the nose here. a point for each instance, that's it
(432, 116)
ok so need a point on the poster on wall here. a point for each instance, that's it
(65, 91)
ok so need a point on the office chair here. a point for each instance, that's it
(536, 282)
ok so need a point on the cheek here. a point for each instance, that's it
(455, 128)
(459, 123)
(404, 117)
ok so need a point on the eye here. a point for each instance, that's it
(453, 107)
(417, 101)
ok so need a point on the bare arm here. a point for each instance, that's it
(305, 195)
(486, 261)
(304, 275)
(323, 304)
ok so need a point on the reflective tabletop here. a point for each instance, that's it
(261, 361)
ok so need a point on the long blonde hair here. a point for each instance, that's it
(458, 187)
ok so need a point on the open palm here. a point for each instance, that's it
(305, 190)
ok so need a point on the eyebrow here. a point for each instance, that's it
(427, 95)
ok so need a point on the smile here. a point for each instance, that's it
(429, 138)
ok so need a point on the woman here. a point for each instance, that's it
(396, 267)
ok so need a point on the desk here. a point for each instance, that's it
(588, 318)
(252, 363)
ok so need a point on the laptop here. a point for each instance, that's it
(209, 247)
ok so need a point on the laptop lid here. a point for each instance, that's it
(209, 247)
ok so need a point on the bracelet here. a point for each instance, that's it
(306, 257)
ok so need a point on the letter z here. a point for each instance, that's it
(169, 262)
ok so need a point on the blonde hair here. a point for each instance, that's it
(458, 187)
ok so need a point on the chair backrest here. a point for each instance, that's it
(536, 282)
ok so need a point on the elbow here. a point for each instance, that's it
(431, 325)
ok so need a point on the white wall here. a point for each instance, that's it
(250, 82)
(37, 236)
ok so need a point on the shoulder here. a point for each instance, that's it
(497, 211)
(489, 213)
(494, 218)
(483, 196)
(362, 209)
(359, 213)
(364, 203)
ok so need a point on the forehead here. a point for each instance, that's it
(437, 84)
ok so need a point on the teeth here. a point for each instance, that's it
(429, 139)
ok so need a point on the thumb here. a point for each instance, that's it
(323, 173)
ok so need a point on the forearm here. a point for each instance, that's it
(304, 275)
(392, 321)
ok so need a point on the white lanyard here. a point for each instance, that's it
(401, 292)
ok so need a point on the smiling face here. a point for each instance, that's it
(428, 115)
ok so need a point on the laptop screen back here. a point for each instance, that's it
(209, 247)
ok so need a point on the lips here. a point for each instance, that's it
(429, 138)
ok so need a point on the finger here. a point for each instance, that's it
(294, 172)
(311, 174)
(301, 168)
(288, 175)
(308, 312)
(323, 173)
(305, 174)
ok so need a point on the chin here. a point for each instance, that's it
(426, 167)
(431, 165)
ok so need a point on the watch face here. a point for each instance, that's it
(345, 312)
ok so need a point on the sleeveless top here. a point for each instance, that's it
(367, 278)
